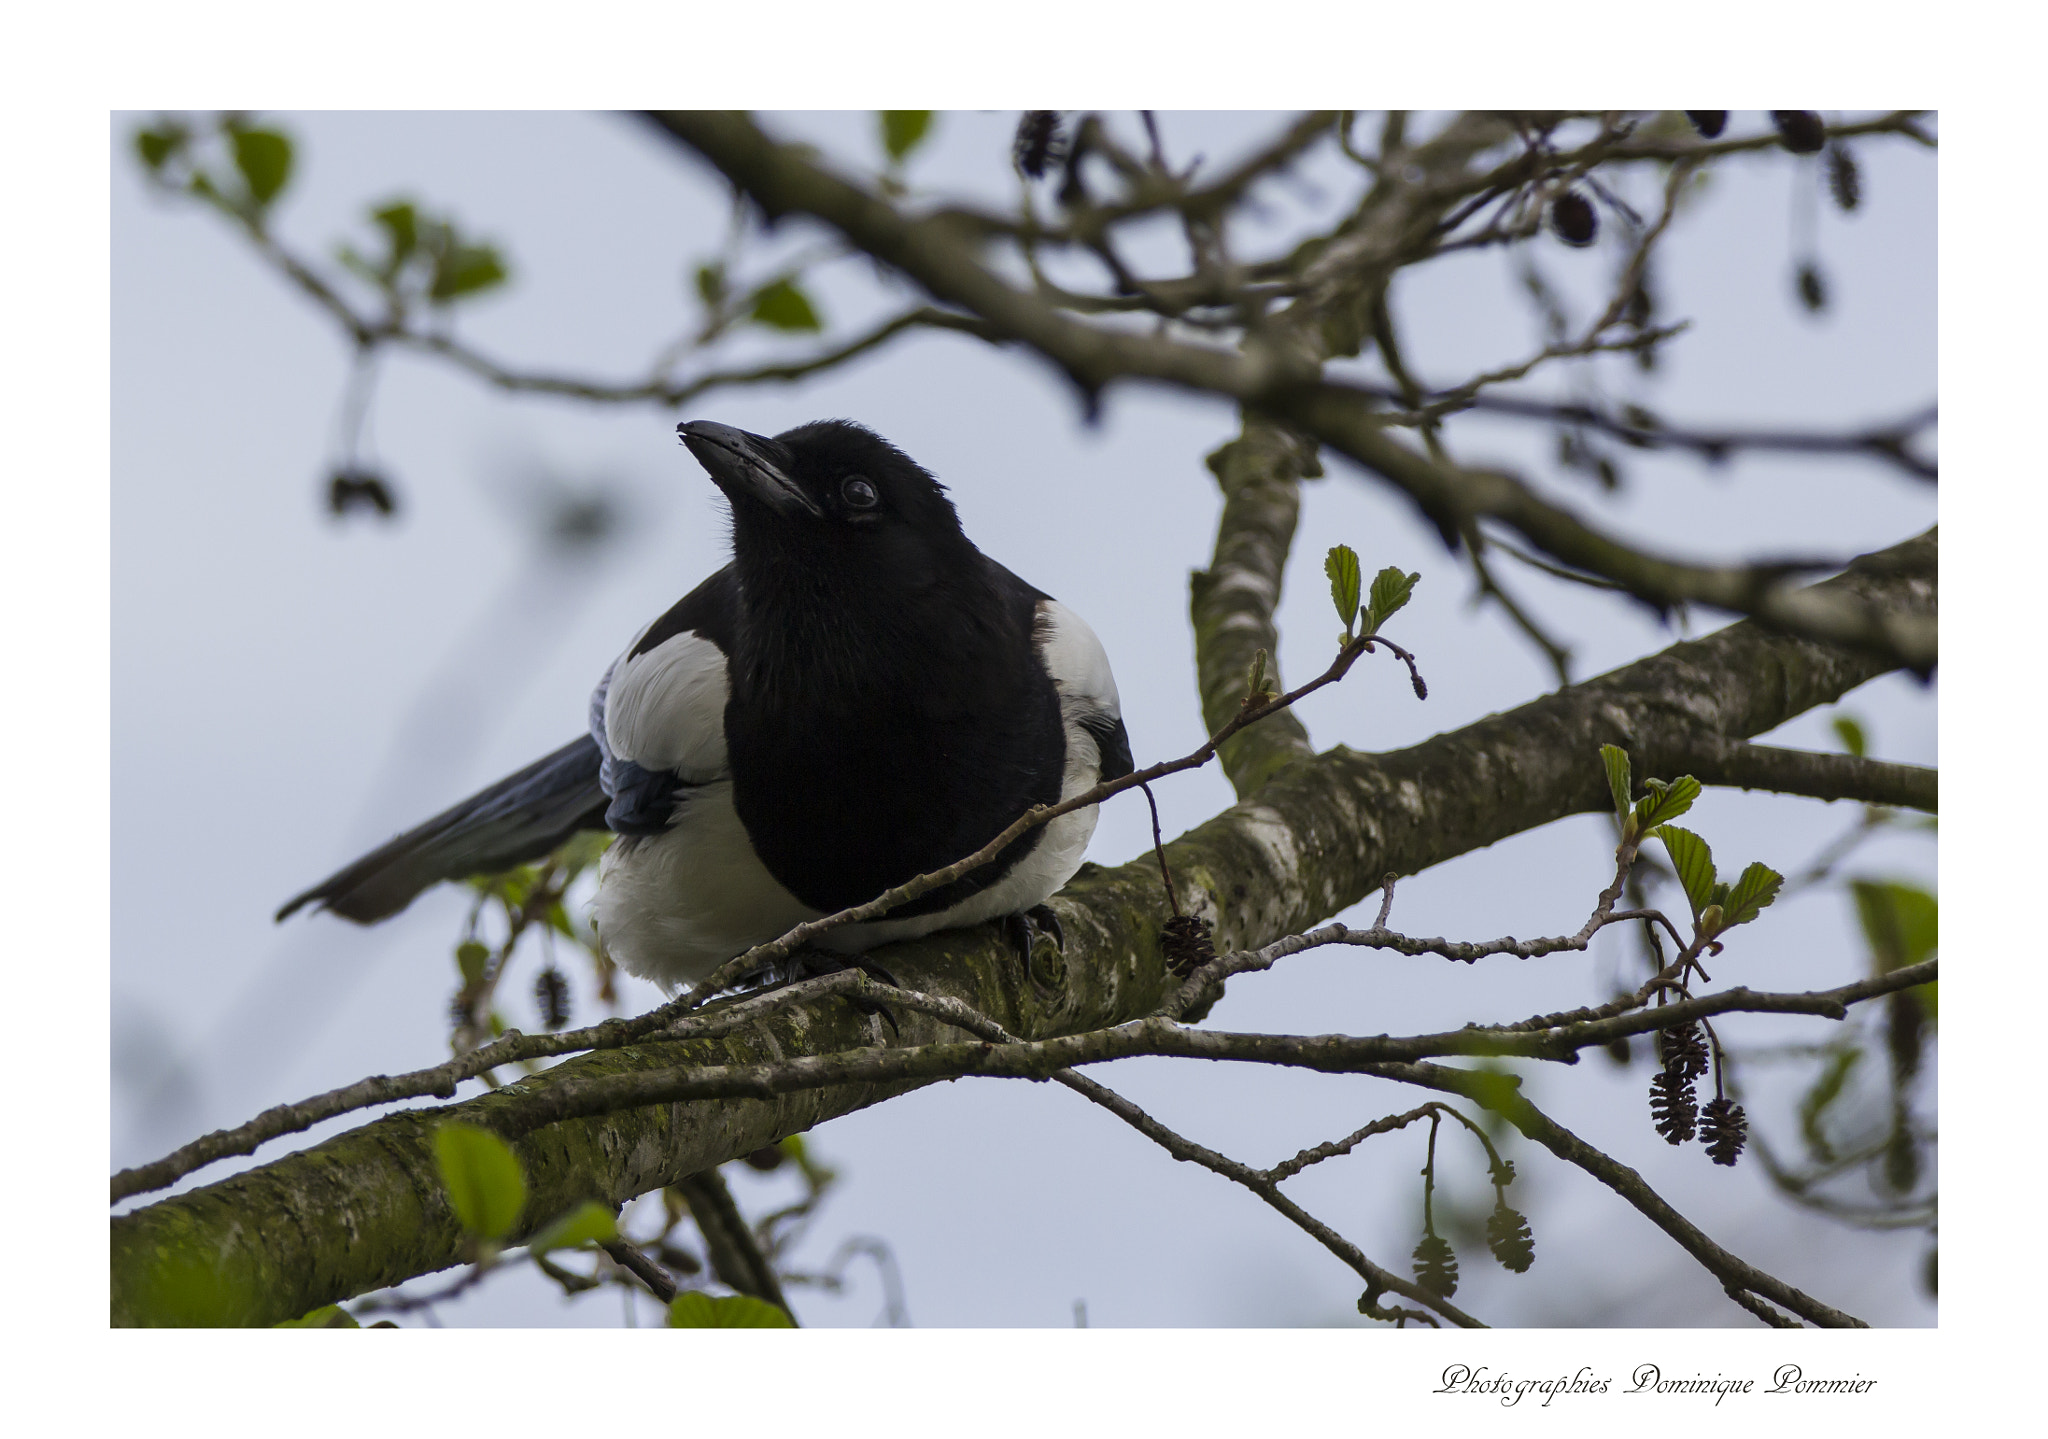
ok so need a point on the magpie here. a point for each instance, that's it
(858, 697)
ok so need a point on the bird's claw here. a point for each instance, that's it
(1023, 930)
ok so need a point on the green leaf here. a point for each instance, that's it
(1255, 676)
(1665, 801)
(464, 270)
(327, 1316)
(1390, 591)
(1341, 565)
(158, 145)
(903, 131)
(711, 283)
(1850, 733)
(1619, 783)
(265, 159)
(1827, 1088)
(401, 225)
(1902, 922)
(471, 957)
(697, 1310)
(1752, 894)
(588, 1223)
(780, 305)
(1694, 861)
(481, 1174)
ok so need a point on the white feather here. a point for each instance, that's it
(1075, 659)
(665, 709)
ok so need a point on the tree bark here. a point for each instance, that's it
(365, 1210)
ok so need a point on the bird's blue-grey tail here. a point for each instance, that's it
(517, 820)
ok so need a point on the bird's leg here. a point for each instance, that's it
(1023, 929)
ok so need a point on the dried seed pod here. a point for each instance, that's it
(551, 993)
(1436, 1267)
(1508, 1236)
(1674, 1109)
(1185, 940)
(1709, 123)
(1813, 291)
(1724, 1129)
(1573, 217)
(1683, 1049)
(1845, 181)
(354, 489)
(1040, 143)
(1800, 131)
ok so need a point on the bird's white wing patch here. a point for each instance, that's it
(665, 709)
(1075, 659)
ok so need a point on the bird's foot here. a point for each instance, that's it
(808, 963)
(1024, 929)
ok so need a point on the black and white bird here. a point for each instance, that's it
(859, 697)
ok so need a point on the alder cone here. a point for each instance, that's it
(1800, 131)
(1436, 1266)
(1573, 217)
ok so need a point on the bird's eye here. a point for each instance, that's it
(858, 492)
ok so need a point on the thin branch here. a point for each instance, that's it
(1328, 1053)
(1887, 442)
(628, 1256)
(671, 393)
(1335, 1148)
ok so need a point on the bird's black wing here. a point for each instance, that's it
(517, 820)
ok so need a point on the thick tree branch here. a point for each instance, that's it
(365, 1211)
(1232, 602)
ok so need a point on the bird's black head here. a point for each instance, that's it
(830, 493)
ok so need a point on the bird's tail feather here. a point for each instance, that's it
(517, 820)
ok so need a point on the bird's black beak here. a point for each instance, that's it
(743, 464)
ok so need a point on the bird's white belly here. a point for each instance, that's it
(673, 907)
